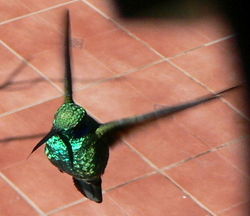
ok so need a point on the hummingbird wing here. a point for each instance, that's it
(132, 121)
(68, 98)
(92, 189)
(68, 146)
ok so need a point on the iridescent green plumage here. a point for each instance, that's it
(78, 145)
(68, 116)
(70, 120)
(86, 156)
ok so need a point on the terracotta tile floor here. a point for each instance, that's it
(190, 164)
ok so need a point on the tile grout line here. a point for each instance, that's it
(173, 165)
(117, 74)
(82, 200)
(123, 28)
(31, 65)
(132, 180)
(219, 40)
(235, 109)
(228, 161)
(104, 192)
(121, 75)
(61, 208)
(146, 44)
(214, 149)
(207, 88)
(95, 8)
(28, 106)
(161, 170)
(149, 162)
(36, 12)
(22, 194)
(137, 38)
(200, 46)
(94, 57)
(199, 203)
(119, 206)
(185, 52)
(233, 206)
(188, 74)
(170, 179)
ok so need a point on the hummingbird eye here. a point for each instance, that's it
(68, 116)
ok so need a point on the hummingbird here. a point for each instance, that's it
(79, 145)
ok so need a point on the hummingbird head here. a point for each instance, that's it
(68, 116)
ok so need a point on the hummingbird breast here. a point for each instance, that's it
(89, 156)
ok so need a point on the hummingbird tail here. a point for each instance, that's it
(131, 121)
(92, 189)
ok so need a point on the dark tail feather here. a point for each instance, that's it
(127, 122)
(68, 77)
(91, 189)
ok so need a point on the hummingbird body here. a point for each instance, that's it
(78, 145)
(88, 157)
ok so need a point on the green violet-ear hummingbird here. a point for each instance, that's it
(79, 145)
